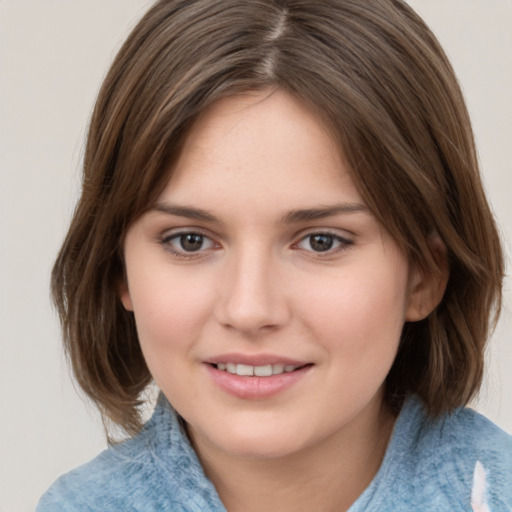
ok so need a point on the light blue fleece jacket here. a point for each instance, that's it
(459, 462)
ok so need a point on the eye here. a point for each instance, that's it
(323, 243)
(187, 243)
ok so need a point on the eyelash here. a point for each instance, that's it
(343, 243)
(167, 241)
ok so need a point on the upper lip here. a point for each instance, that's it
(255, 359)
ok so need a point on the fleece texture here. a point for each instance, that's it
(458, 462)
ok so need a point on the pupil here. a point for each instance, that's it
(191, 242)
(321, 243)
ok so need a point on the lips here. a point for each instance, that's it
(255, 377)
(248, 370)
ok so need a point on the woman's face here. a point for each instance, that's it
(268, 300)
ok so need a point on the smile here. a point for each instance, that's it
(247, 370)
(258, 381)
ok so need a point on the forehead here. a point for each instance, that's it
(261, 146)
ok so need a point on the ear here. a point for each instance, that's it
(427, 291)
(124, 294)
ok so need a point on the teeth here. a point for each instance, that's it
(277, 369)
(263, 371)
(244, 369)
(247, 370)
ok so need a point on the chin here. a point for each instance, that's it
(262, 448)
(252, 441)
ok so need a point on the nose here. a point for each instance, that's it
(252, 298)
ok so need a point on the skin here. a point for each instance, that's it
(256, 285)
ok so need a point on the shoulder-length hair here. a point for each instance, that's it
(380, 81)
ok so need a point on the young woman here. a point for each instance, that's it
(274, 228)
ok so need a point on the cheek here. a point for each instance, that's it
(170, 316)
(170, 311)
(361, 311)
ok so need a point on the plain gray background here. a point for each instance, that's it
(53, 55)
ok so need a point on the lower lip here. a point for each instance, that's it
(255, 388)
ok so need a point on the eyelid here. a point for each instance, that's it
(343, 234)
(165, 240)
(344, 241)
(173, 232)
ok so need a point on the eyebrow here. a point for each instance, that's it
(323, 212)
(187, 211)
(291, 217)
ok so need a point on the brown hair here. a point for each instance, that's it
(383, 85)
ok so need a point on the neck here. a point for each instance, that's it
(329, 476)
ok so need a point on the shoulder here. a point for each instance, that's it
(461, 456)
(108, 482)
(155, 471)
(480, 452)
